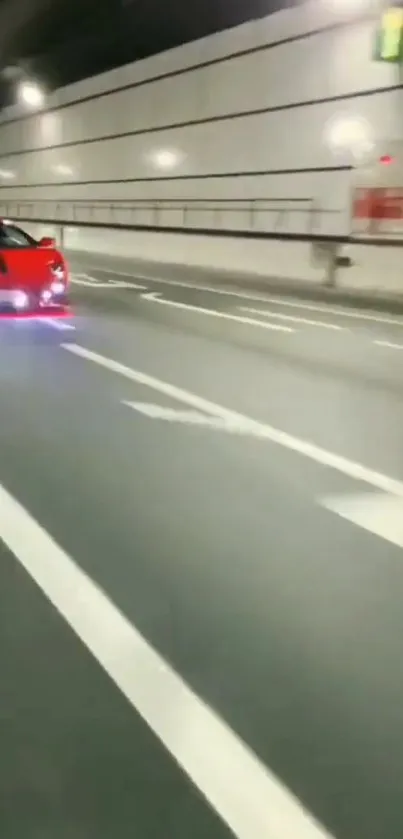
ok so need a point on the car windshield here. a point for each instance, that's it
(14, 237)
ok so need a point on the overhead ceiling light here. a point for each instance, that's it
(351, 135)
(62, 169)
(31, 94)
(6, 174)
(166, 158)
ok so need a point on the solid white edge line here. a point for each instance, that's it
(389, 344)
(341, 464)
(248, 798)
(155, 297)
(267, 298)
(291, 318)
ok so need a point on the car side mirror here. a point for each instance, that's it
(47, 242)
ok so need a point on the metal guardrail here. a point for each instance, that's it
(260, 215)
(300, 218)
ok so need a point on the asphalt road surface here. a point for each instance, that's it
(201, 567)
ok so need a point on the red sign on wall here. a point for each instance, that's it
(378, 210)
(378, 203)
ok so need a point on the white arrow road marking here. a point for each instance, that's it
(188, 417)
(245, 794)
(95, 282)
(292, 318)
(155, 296)
(293, 303)
(170, 415)
(379, 513)
(341, 464)
(232, 426)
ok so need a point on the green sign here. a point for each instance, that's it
(389, 36)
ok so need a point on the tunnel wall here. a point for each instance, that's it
(277, 108)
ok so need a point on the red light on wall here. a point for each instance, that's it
(386, 159)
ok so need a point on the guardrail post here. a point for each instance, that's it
(324, 254)
(61, 237)
(331, 269)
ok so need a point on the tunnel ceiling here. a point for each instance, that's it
(63, 41)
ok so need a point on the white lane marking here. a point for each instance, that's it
(325, 458)
(155, 297)
(245, 794)
(389, 344)
(57, 323)
(190, 417)
(193, 417)
(292, 318)
(381, 514)
(93, 282)
(377, 317)
(86, 279)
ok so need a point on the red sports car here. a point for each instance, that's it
(33, 275)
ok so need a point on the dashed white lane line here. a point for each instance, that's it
(341, 464)
(359, 314)
(389, 344)
(155, 297)
(245, 794)
(292, 318)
